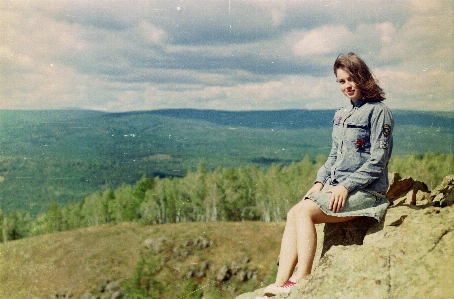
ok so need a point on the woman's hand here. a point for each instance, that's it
(316, 188)
(339, 196)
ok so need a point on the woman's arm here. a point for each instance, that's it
(324, 173)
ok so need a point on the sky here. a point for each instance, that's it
(133, 55)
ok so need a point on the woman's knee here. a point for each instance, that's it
(301, 209)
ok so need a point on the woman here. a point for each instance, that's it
(353, 181)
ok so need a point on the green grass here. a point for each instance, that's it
(81, 260)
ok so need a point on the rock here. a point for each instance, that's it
(88, 296)
(423, 198)
(109, 290)
(242, 275)
(223, 274)
(187, 243)
(396, 220)
(118, 294)
(200, 274)
(408, 255)
(188, 247)
(204, 266)
(61, 295)
(251, 274)
(234, 267)
(407, 187)
(398, 186)
(238, 269)
(112, 287)
(416, 187)
(190, 273)
(202, 243)
(444, 193)
(346, 233)
(344, 272)
(446, 186)
(156, 244)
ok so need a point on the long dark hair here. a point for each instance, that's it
(361, 75)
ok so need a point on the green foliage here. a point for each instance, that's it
(142, 186)
(192, 291)
(3, 236)
(16, 225)
(225, 194)
(64, 155)
(54, 218)
(144, 284)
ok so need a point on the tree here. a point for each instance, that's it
(215, 193)
(142, 186)
(72, 216)
(171, 196)
(54, 218)
(107, 198)
(3, 224)
(39, 225)
(144, 283)
(149, 209)
(18, 225)
(125, 206)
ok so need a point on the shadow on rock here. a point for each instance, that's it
(347, 233)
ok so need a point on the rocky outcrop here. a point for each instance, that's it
(241, 270)
(409, 255)
(444, 193)
(185, 259)
(108, 290)
(407, 190)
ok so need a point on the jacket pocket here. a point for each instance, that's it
(357, 137)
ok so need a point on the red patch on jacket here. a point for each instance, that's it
(360, 143)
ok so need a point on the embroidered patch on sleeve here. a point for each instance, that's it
(386, 130)
(384, 144)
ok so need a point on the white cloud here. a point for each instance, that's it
(135, 55)
(324, 40)
(151, 34)
(386, 32)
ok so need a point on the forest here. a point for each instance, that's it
(66, 169)
(62, 156)
(225, 194)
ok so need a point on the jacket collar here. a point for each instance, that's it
(358, 103)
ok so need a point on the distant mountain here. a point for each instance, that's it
(62, 155)
(289, 119)
(294, 119)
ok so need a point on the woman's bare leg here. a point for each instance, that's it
(288, 256)
(300, 239)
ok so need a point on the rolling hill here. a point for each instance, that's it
(63, 155)
(79, 261)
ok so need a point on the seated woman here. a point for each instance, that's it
(353, 181)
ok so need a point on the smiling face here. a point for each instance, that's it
(347, 86)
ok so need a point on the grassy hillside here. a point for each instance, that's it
(81, 260)
(64, 155)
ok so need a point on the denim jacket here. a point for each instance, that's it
(361, 147)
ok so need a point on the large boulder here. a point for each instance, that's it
(410, 254)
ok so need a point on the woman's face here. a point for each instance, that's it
(347, 86)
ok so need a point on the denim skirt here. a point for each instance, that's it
(359, 203)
